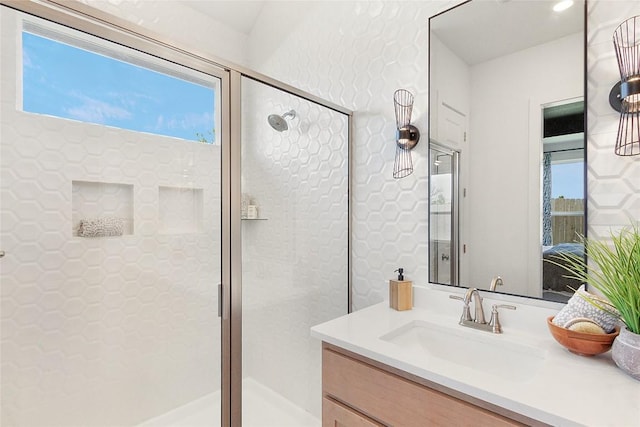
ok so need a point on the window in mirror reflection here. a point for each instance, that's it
(563, 192)
(567, 196)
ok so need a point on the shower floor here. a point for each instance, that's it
(262, 408)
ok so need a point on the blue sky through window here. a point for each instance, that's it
(69, 82)
(567, 180)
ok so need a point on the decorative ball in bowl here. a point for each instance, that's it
(582, 343)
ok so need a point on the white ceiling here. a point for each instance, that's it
(240, 15)
(476, 31)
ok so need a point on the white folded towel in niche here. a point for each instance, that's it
(101, 227)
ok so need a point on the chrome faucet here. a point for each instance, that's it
(478, 320)
(497, 281)
(478, 313)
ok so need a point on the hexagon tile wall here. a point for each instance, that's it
(357, 54)
(613, 181)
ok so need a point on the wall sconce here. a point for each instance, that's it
(625, 95)
(407, 135)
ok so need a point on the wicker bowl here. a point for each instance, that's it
(582, 343)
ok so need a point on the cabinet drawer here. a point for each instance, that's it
(396, 401)
(335, 414)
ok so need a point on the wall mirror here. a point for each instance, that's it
(507, 144)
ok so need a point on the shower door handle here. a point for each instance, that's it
(219, 299)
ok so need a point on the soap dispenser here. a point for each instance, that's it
(400, 292)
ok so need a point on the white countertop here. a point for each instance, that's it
(566, 389)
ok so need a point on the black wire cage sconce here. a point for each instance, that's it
(625, 95)
(407, 135)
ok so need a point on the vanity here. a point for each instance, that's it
(507, 121)
(359, 391)
(420, 367)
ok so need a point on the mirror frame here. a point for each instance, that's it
(430, 141)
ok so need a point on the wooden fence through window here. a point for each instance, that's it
(567, 219)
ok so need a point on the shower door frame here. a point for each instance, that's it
(85, 18)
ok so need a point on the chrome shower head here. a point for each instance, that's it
(278, 122)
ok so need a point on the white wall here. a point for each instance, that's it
(452, 76)
(503, 185)
(357, 54)
(180, 25)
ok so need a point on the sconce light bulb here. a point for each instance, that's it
(630, 94)
(631, 104)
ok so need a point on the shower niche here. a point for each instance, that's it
(102, 203)
(180, 210)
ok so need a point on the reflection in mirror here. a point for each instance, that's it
(442, 211)
(506, 145)
(562, 194)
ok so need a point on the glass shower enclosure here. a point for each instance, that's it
(112, 235)
(155, 278)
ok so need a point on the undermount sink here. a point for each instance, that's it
(491, 354)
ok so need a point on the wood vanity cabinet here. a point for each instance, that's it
(359, 392)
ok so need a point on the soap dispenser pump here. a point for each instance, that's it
(400, 292)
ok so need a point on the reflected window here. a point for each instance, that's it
(567, 196)
(563, 173)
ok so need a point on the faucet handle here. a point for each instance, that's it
(494, 323)
(466, 311)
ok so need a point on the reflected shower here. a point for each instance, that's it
(279, 123)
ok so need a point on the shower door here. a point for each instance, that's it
(111, 232)
(294, 228)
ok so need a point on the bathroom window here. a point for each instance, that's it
(563, 173)
(79, 77)
(567, 172)
(567, 195)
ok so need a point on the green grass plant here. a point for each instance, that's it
(613, 270)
